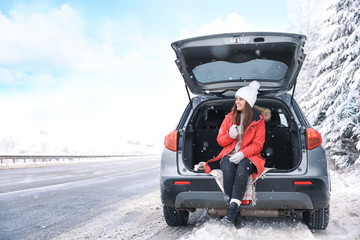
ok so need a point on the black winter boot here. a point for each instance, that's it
(229, 219)
(237, 222)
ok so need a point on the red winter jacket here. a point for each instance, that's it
(251, 146)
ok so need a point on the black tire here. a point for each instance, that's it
(175, 217)
(317, 218)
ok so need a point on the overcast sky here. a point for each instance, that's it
(87, 73)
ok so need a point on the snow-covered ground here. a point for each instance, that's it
(134, 218)
(141, 218)
(344, 218)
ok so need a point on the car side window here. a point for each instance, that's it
(283, 120)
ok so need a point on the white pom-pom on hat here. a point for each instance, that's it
(249, 93)
(255, 85)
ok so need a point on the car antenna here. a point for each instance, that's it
(187, 90)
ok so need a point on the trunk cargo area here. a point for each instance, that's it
(282, 143)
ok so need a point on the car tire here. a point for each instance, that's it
(317, 218)
(175, 217)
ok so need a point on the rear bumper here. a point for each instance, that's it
(265, 200)
(274, 193)
(191, 200)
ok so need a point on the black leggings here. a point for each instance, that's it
(235, 177)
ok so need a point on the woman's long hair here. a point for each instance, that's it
(248, 115)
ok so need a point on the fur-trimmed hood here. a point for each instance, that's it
(265, 112)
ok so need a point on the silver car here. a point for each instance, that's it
(213, 68)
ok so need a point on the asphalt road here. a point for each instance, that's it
(41, 203)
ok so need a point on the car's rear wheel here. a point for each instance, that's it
(317, 218)
(175, 217)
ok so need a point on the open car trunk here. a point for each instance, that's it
(282, 143)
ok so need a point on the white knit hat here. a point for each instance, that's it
(249, 93)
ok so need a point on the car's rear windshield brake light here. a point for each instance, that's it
(313, 138)
(171, 140)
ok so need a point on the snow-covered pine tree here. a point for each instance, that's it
(305, 20)
(332, 102)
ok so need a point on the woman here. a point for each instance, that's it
(242, 136)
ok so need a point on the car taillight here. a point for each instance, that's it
(171, 140)
(313, 138)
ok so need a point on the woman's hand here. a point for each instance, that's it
(236, 158)
(233, 133)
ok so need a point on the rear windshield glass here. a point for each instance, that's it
(260, 69)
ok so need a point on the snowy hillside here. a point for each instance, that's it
(329, 83)
(40, 144)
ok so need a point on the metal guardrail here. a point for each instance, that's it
(58, 158)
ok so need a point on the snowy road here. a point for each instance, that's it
(99, 209)
(41, 203)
